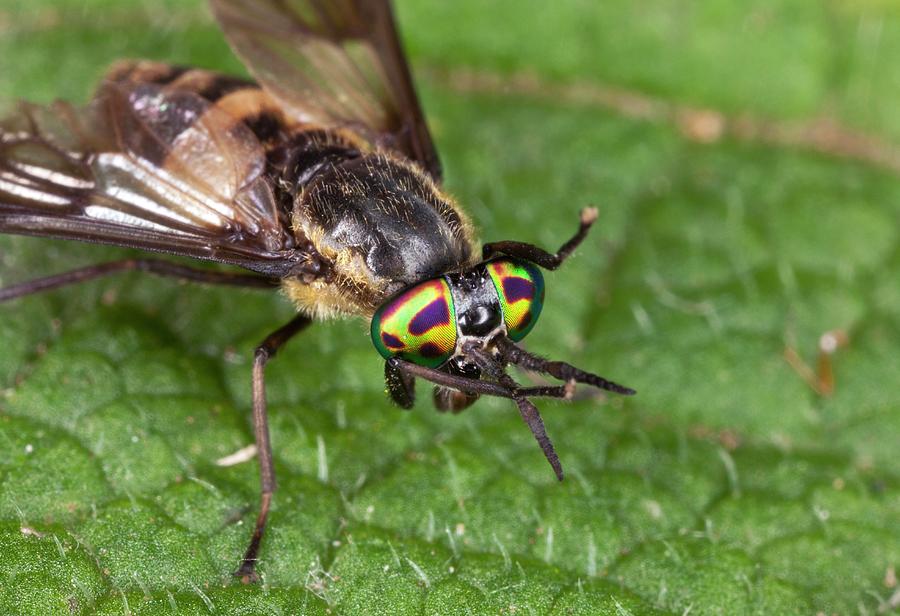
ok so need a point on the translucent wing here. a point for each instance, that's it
(333, 62)
(146, 168)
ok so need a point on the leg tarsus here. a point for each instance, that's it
(247, 571)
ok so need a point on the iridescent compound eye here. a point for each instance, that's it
(419, 325)
(520, 286)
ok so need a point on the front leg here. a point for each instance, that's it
(539, 256)
(264, 352)
(401, 386)
(475, 387)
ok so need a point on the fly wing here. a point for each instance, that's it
(145, 168)
(333, 62)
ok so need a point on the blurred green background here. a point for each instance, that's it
(744, 156)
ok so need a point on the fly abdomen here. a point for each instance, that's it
(295, 152)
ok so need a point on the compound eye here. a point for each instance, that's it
(520, 286)
(418, 325)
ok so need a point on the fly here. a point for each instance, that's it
(318, 177)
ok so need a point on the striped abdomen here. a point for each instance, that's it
(295, 152)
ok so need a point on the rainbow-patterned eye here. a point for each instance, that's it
(419, 325)
(520, 286)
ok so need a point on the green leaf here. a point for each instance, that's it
(727, 485)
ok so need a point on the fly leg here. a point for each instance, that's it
(447, 399)
(539, 256)
(264, 352)
(474, 387)
(401, 386)
(160, 267)
(558, 369)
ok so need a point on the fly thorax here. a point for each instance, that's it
(385, 222)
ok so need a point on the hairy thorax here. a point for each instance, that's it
(382, 225)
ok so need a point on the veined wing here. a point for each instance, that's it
(333, 62)
(146, 168)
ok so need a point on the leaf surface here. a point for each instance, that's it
(727, 485)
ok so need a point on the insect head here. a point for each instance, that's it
(426, 323)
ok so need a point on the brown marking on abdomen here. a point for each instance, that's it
(143, 71)
(260, 112)
(209, 85)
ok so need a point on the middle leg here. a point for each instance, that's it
(264, 352)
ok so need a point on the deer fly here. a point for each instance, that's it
(318, 177)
